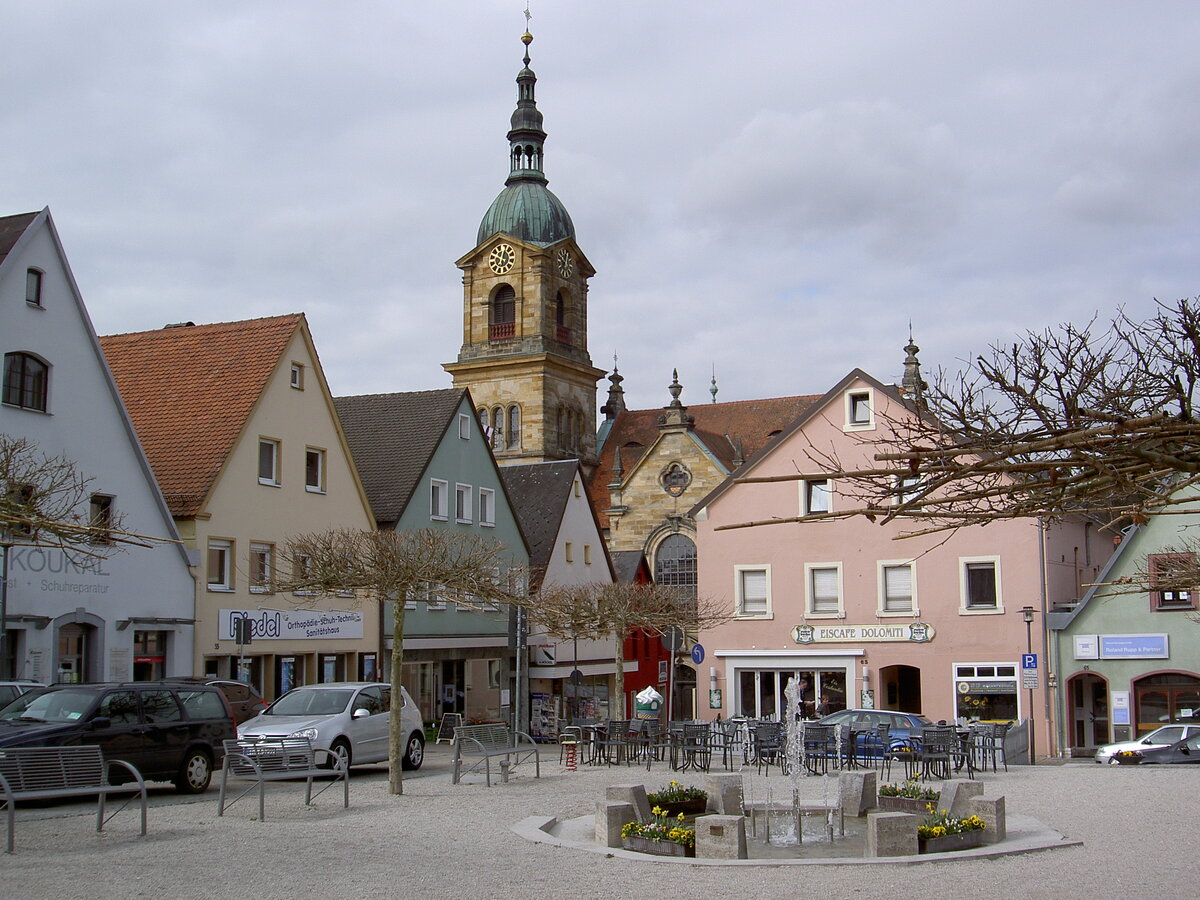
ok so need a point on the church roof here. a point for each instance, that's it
(189, 391)
(529, 211)
(732, 432)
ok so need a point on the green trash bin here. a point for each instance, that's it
(647, 706)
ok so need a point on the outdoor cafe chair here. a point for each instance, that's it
(767, 745)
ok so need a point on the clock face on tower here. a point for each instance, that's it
(502, 258)
(565, 264)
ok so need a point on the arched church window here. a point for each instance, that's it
(497, 428)
(514, 427)
(675, 564)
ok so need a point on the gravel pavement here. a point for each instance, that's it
(1137, 825)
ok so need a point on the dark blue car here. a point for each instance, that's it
(902, 728)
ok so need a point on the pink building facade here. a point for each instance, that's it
(928, 624)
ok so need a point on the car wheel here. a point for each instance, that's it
(195, 773)
(414, 751)
(338, 750)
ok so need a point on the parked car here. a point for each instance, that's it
(244, 699)
(346, 720)
(169, 731)
(1179, 753)
(902, 726)
(1159, 737)
(11, 690)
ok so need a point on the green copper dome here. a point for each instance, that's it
(526, 209)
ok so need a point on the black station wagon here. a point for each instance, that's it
(167, 731)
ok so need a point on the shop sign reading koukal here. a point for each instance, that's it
(915, 632)
(292, 624)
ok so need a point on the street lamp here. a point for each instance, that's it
(1027, 614)
(6, 542)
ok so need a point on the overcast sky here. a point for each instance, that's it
(773, 189)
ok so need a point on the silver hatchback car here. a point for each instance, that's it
(348, 720)
(1159, 737)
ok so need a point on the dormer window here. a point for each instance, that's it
(33, 287)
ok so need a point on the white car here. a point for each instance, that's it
(1159, 737)
(347, 720)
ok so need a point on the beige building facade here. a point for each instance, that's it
(240, 427)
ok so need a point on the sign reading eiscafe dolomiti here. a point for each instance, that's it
(915, 632)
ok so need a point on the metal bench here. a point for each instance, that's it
(493, 739)
(260, 760)
(46, 773)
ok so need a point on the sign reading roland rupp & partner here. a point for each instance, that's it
(293, 624)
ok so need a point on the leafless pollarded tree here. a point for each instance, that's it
(612, 611)
(395, 567)
(47, 501)
(1098, 420)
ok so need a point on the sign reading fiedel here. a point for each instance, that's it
(915, 632)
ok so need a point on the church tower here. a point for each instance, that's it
(524, 354)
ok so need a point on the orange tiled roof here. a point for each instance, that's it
(189, 390)
(751, 423)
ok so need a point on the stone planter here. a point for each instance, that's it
(657, 848)
(905, 804)
(687, 807)
(964, 841)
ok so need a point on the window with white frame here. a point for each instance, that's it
(268, 461)
(220, 565)
(439, 499)
(26, 381)
(297, 377)
(1171, 581)
(753, 587)
(860, 409)
(303, 569)
(981, 584)
(823, 582)
(434, 599)
(462, 503)
(464, 426)
(487, 507)
(897, 588)
(314, 470)
(816, 496)
(907, 487)
(261, 564)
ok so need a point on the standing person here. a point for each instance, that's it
(824, 708)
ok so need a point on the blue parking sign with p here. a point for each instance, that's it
(1029, 661)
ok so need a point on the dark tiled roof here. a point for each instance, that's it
(626, 564)
(189, 391)
(11, 229)
(392, 437)
(718, 426)
(539, 494)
